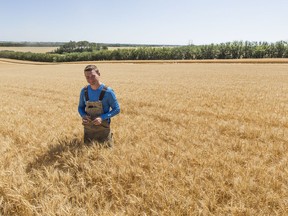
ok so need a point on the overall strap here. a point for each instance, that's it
(103, 93)
(86, 93)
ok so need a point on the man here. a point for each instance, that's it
(97, 105)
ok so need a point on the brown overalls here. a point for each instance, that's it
(99, 133)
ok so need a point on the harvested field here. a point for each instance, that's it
(191, 139)
(29, 49)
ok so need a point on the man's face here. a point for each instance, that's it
(92, 77)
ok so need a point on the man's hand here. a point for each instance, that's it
(86, 120)
(97, 121)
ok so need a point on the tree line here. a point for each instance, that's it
(229, 50)
(85, 46)
(80, 46)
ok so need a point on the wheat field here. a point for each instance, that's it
(191, 139)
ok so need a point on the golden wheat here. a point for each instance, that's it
(191, 139)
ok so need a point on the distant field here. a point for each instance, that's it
(191, 139)
(47, 49)
(29, 49)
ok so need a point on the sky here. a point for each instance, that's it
(167, 22)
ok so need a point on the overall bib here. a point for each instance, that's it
(99, 133)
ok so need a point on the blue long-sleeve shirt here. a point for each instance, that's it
(109, 102)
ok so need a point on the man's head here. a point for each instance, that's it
(92, 74)
(90, 68)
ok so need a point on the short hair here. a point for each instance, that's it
(90, 68)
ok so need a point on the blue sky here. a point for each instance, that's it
(144, 21)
